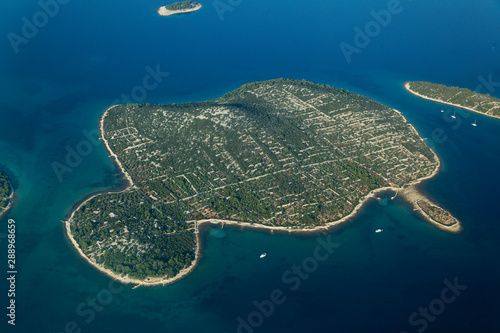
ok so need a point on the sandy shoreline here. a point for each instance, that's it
(111, 153)
(11, 201)
(409, 193)
(6, 209)
(163, 11)
(407, 87)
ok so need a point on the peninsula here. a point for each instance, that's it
(6, 194)
(282, 155)
(179, 8)
(458, 97)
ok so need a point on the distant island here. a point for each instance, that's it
(6, 193)
(283, 154)
(459, 97)
(179, 8)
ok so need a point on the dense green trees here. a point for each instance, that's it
(182, 5)
(5, 190)
(125, 233)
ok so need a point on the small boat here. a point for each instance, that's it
(454, 116)
(442, 110)
(474, 123)
(378, 230)
(263, 255)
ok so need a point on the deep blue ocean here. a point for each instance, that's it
(87, 55)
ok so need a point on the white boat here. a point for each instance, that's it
(263, 255)
(442, 110)
(474, 123)
(453, 116)
(378, 230)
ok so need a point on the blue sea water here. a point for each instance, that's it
(91, 52)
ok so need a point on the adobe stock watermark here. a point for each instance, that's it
(76, 154)
(292, 278)
(487, 83)
(454, 116)
(372, 29)
(224, 6)
(421, 318)
(150, 82)
(30, 27)
(88, 309)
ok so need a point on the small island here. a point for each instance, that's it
(179, 8)
(6, 194)
(283, 154)
(430, 211)
(458, 97)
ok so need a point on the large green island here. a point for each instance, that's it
(179, 8)
(282, 154)
(454, 96)
(6, 193)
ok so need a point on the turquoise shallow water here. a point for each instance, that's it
(85, 58)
